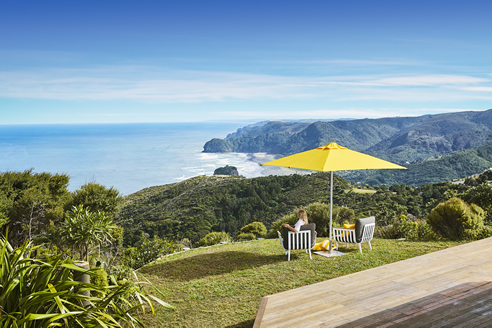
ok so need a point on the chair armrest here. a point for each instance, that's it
(281, 240)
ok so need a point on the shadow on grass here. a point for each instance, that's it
(202, 265)
(244, 324)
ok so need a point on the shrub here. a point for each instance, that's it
(480, 195)
(146, 251)
(246, 236)
(99, 277)
(258, 229)
(185, 242)
(454, 219)
(214, 238)
(342, 215)
(319, 213)
(402, 227)
(120, 272)
(277, 225)
(43, 254)
(486, 232)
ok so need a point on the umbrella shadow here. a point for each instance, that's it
(245, 324)
(203, 265)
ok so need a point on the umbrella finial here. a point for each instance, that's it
(332, 145)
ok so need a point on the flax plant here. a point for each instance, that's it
(35, 293)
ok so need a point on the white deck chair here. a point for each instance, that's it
(304, 239)
(363, 232)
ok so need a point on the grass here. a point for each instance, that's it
(222, 286)
(364, 191)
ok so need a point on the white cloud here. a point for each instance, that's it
(355, 113)
(140, 83)
(354, 62)
(482, 89)
(429, 80)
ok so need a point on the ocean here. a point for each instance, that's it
(129, 157)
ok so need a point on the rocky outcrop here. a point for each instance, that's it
(226, 170)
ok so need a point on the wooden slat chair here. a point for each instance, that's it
(304, 239)
(363, 232)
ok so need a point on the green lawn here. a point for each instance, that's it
(222, 286)
(364, 191)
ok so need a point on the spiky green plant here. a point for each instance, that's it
(35, 293)
(85, 230)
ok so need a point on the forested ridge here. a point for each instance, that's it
(410, 141)
(452, 166)
(194, 207)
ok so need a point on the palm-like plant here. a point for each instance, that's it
(34, 293)
(84, 230)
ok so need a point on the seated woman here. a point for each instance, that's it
(303, 219)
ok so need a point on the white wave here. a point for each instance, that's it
(207, 156)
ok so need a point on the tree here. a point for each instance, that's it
(96, 197)
(454, 219)
(30, 201)
(84, 230)
(4, 207)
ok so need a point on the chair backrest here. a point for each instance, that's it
(299, 240)
(312, 227)
(359, 227)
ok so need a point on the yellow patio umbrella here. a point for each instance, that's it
(329, 158)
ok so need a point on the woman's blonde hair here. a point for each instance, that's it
(303, 216)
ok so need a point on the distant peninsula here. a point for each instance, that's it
(430, 143)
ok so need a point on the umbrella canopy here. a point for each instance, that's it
(332, 157)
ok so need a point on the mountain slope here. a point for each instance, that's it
(398, 139)
(454, 165)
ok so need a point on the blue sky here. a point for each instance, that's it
(178, 61)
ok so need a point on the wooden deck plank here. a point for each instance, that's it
(445, 288)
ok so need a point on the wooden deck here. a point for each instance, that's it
(448, 288)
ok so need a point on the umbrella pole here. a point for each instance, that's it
(331, 207)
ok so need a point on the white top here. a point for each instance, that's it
(298, 225)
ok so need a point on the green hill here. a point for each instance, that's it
(194, 207)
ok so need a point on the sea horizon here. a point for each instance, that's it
(126, 156)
